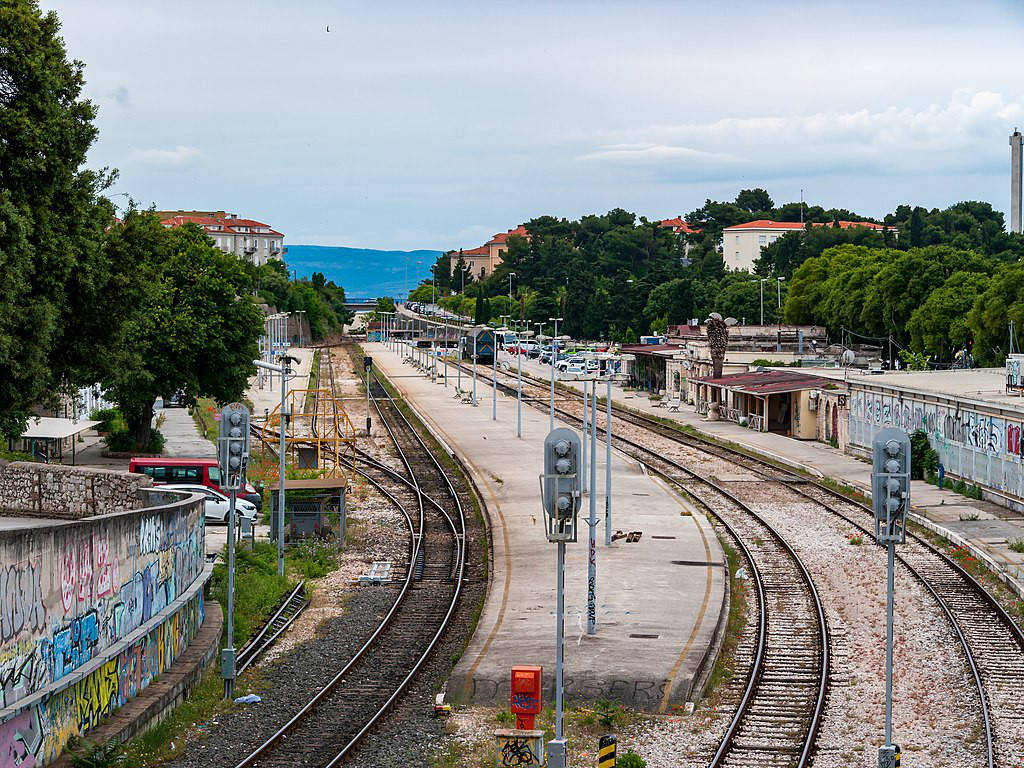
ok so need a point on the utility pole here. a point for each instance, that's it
(592, 552)
(583, 453)
(608, 464)
(554, 362)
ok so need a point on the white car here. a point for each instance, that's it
(215, 504)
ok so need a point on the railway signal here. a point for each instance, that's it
(367, 366)
(233, 458)
(560, 495)
(890, 500)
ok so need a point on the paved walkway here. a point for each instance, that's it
(983, 525)
(182, 437)
(659, 600)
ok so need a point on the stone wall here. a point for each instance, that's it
(91, 611)
(69, 493)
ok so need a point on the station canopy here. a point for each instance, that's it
(52, 428)
(767, 382)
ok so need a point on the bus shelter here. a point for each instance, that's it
(45, 437)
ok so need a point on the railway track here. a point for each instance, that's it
(289, 610)
(333, 723)
(993, 644)
(779, 708)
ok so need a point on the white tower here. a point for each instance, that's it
(1016, 168)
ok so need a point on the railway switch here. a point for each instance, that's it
(525, 695)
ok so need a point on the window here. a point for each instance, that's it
(184, 474)
(763, 239)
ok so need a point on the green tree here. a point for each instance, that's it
(755, 200)
(59, 307)
(989, 318)
(195, 329)
(939, 326)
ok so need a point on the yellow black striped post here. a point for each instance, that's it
(606, 752)
(898, 753)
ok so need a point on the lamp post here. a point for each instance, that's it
(778, 315)
(762, 301)
(476, 333)
(554, 360)
(592, 522)
(608, 462)
(283, 369)
(519, 385)
(510, 276)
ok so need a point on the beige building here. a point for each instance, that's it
(247, 239)
(482, 261)
(742, 244)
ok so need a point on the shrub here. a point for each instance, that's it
(86, 754)
(123, 441)
(631, 760)
(1017, 545)
(608, 712)
(923, 459)
(505, 717)
(110, 419)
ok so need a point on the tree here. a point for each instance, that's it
(939, 326)
(58, 308)
(195, 329)
(755, 200)
(989, 318)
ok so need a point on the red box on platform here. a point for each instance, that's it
(525, 695)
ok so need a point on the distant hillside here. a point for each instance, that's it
(362, 272)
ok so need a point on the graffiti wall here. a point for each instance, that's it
(982, 449)
(71, 595)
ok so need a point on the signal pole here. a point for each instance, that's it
(890, 501)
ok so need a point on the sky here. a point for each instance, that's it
(435, 125)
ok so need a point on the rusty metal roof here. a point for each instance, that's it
(767, 382)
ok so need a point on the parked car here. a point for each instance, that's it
(216, 506)
(177, 400)
(204, 472)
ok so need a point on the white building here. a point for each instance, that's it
(742, 244)
(247, 239)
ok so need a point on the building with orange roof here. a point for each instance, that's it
(481, 262)
(742, 244)
(247, 239)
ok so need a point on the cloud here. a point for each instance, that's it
(966, 133)
(179, 156)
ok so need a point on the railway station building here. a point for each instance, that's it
(767, 401)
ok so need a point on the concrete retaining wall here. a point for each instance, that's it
(91, 611)
(979, 447)
(69, 493)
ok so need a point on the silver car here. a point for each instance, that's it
(215, 504)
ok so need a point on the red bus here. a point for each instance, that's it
(195, 471)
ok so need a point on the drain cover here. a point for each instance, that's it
(662, 537)
(645, 637)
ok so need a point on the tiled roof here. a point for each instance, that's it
(481, 251)
(766, 224)
(767, 382)
(226, 226)
(679, 223)
(502, 237)
(849, 224)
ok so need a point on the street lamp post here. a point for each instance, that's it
(519, 386)
(283, 369)
(762, 301)
(554, 361)
(592, 553)
(608, 464)
(510, 276)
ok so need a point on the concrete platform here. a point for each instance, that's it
(986, 528)
(659, 601)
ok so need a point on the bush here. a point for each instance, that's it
(86, 754)
(110, 419)
(608, 712)
(505, 717)
(123, 441)
(923, 459)
(631, 760)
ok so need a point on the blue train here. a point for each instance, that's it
(484, 338)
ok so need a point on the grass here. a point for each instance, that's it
(739, 594)
(258, 591)
(856, 539)
(1017, 545)
(203, 415)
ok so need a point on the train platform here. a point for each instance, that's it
(661, 601)
(985, 527)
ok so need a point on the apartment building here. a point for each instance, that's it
(482, 261)
(742, 244)
(247, 239)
